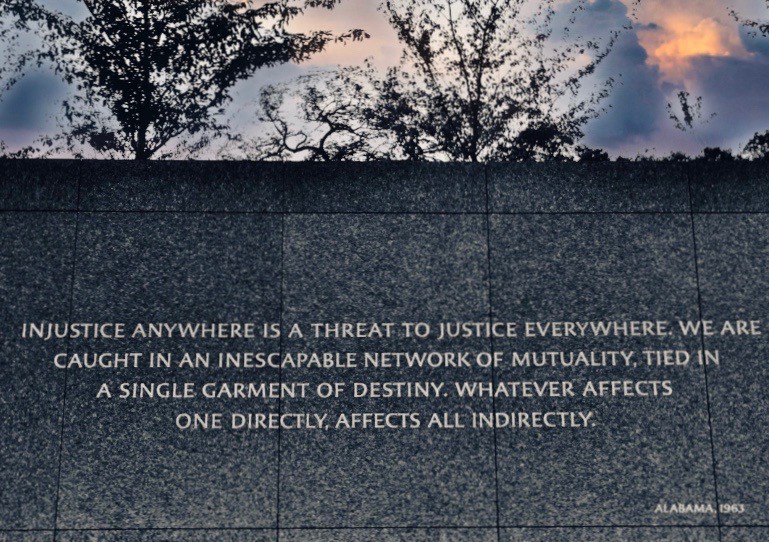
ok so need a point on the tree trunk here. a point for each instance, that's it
(142, 149)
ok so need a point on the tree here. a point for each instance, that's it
(479, 80)
(688, 114)
(148, 72)
(586, 154)
(330, 118)
(758, 147)
(716, 154)
(754, 26)
(489, 80)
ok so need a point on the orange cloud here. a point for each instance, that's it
(681, 37)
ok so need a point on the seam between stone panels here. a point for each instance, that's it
(281, 348)
(284, 187)
(426, 213)
(491, 343)
(283, 209)
(62, 424)
(40, 211)
(377, 528)
(705, 366)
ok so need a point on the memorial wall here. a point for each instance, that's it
(234, 351)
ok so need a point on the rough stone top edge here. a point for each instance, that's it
(401, 187)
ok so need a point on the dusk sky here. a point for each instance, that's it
(692, 45)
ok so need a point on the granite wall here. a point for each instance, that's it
(208, 241)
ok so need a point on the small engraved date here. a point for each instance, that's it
(698, 508)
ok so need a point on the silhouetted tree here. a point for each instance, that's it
(586, 154)
(688, 113)
(151, 71)
(716, 154)
(677, 156)
(480, 80)
(754, 26)
(330, 112)
(758, 147)
(489, 79)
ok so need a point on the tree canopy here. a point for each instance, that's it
(148, 72)
(479, 80)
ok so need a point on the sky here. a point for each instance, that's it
(674, 45)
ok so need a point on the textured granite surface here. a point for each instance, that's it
(734, 259)
(38, 184)
(168, 536)
(122, 459)
(35, 271)
(601, 268)
(390, 535)
(597, 187)
(385, 187)
(745, 534)
(22, 536)
(611, 535)
(730, 187)
(386, 269)
(381, 242)
(181, 186)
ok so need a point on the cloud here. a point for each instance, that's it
(636, 105)
(681, 37)
(382, 46)
(30, 103)
(735, 88)
(754, 42)
(692, 45)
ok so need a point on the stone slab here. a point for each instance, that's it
(168, 536)
(385, 269)
(125, 464)
(745, 534)
(635, 453)
(731, 187)
(590, 187)
(26, 536)
(389, 535)
(35, 282)
(667, 534)
(385, 187)
(733, 255)
(115, 185)
(42, 185)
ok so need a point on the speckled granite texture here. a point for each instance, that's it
(207, 241)
(165, 268)
(39, 185)
(246, 535)
(386, 268)
(746, 534)
(591, 267)
(24, 536)
(35, 281)
(734, 267)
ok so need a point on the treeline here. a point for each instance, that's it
(479, 80)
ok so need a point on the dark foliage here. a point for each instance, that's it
(688, 113)
(715, 154)
(333, 109)
(151, 71)
(758, 147)
(491, 79)
(480, 80)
